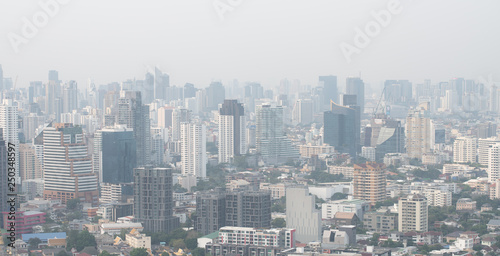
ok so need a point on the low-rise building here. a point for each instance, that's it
(115, 228)
(357, 206)
(138, 240)
(380, 221)
(466, 204)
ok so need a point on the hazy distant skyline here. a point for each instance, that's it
(111, 41)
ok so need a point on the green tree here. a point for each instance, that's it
(278, 223)
(72, 204)
(62, 253)
(191, 243)
(177, 243)
(139, 252)
(80, 240)
(123, 233)
(33, 243)
(165, 254)
(198, 252)
(106, 253)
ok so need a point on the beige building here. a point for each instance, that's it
(347, 171)
(380, 221)
(29, 164)
(277, 190)
(138, 240)
(413, 213)
(437, 197)
(419, 132)
(466, 204)
(370, 182)
(308, 150)
(464, 150)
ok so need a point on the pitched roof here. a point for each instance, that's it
(344, 215)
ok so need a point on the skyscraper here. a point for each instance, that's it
(67, 168)
(419, 132)
(153, 200)
(271, 141)
(231, 131)
(216, 95)
(161, 82)
(135, 115)
(210, 211)
(303, 112)
(398, 91)
(369, 182)
(9, 124)
(193, 150)
(114, 154)
(385, 135)
(493, 163)
(179, 115)
(413, 213)
(70, 97)
(341, 129)
(330, 90)
(356, 86)
(248, 208)
(302, 215)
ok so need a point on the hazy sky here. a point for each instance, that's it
(259, 40)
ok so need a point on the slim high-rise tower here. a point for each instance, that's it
(193, 150)
(9, 124)
(67, 168)
(341, 129)
(370, 182)
(330, 90)
(135, 115)
(419, 132)
(356, 86)
(413, 213)
(231, 131)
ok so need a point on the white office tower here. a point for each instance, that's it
(193, 150)
(271, 141)
(179, 115)
(67, 168)
(9, 125)
(464, 150)
(419, 131)
(483, 149)
(302, 112)
(413, 213)
(494, 163)
(232, 131)
(301, 215)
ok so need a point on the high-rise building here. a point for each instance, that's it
(413, 213)
(483, 148)
(356, 86)
(161, 82)
(493, 163)
(114, 154)
(153, 200)
(341, 129)
(464, 150)
(67, 168)
(179, 115)
(135, 115)
(271, 141)
(70, 97)
(9, 124)
(369, 182)
(302, 215)
(248, 208)
(193, 150)
(30, 167)
(231, 131)
(398, 91)
(216, 94)
(303, 112)
(486, 130)
(210, 211)
(419, 131)
(330, 90)
(165, 116)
